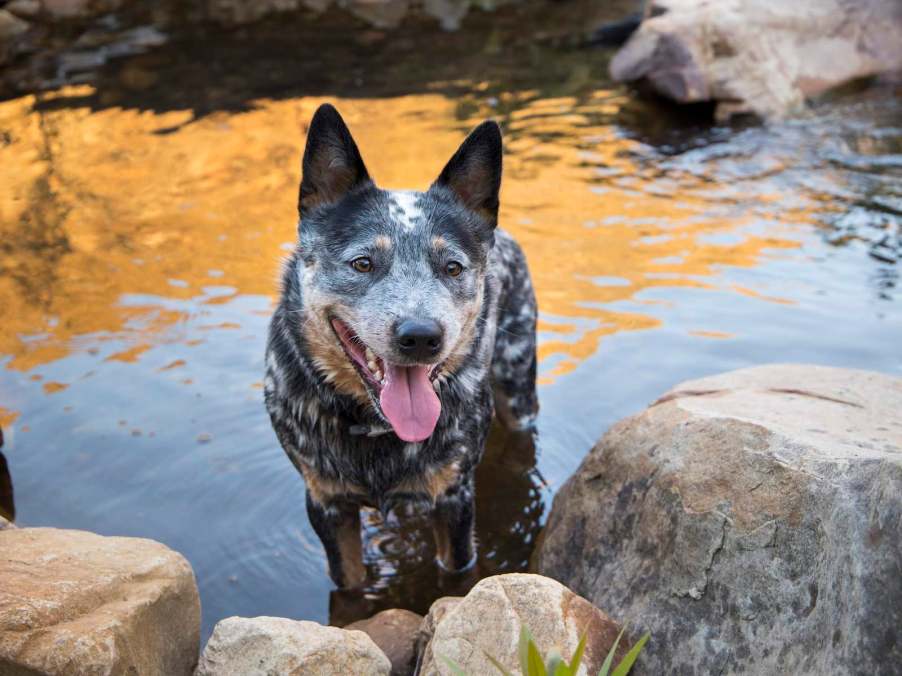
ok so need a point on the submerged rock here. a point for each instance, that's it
(760, 56)
(395, 632)
(244, 646)
(488, 619)
(76, 603)
(750, 521)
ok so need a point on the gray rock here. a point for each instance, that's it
(488, 619)
(258, 646)
(750, 521)
(74, 603)
(760, 56)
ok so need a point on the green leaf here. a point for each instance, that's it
(578, 655)
(453, 666)
(496, 664)
(523, 649)
(606, 666)
(624, 667)
(536, 666)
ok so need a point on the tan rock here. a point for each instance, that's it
(750, 521)
(77, 603)
(760, 56)
(395, 632)
(242, 646)
(489, 618)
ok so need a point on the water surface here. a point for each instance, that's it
(144, 216)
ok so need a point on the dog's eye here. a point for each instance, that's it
(454, 268)
(362, 264)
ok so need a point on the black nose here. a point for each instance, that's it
(419, 339)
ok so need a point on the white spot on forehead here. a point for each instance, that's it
(407, 213)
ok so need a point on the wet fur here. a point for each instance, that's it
(329, 423)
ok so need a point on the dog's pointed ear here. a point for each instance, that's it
(474, 172)
(332, 164)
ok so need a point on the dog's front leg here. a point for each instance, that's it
(338, 526)
(453, 527)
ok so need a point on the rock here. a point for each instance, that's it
(378, 13)
(750, 521)
(79, 9)
(6, 523)
(760, 56)
(488, 621)
(395, 632)
(437, 611)
(12, 30)
(75, 603)
(25, 9)
(246, 11)
(242, 646)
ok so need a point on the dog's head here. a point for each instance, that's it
(392, 281)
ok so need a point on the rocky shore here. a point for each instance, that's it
(746, 56)
(749, 521)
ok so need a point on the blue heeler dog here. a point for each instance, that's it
(405, 319)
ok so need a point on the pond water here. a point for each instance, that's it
(144, 215)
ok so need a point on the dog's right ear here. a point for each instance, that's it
(332, 164)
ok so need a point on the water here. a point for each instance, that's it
(143, 218)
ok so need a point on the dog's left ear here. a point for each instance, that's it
(474, 172)
(332, 164)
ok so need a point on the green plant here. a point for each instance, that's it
(532, 664)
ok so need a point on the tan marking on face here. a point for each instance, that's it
(462, 347)
(329, 357)
(383, 242)
(439, 243)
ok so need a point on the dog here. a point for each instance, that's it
(405, 319)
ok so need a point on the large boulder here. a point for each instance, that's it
(751, 521)
(395, 631)
(252, 646)
(77, 603)
(760, 56)
(487, 621)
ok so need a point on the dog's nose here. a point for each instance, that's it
(419, 339)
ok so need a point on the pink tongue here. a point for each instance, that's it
(409, 402)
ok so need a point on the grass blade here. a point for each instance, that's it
(496, 664)
(536, 666)
(624, 667)
(606, 666)
(523, 649)
(453, 666)
(578, 655)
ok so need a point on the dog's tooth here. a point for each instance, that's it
(378, 374)
(370, 355)
(371, 365)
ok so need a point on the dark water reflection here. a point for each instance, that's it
(143, 219)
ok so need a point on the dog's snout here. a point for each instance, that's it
(419, 339)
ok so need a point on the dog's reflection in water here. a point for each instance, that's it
(7, 504)
(400, 550)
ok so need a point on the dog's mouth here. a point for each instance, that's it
(405, 392)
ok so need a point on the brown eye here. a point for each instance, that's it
(362, 264)
(454, 268)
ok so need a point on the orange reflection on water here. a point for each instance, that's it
(103, 206)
